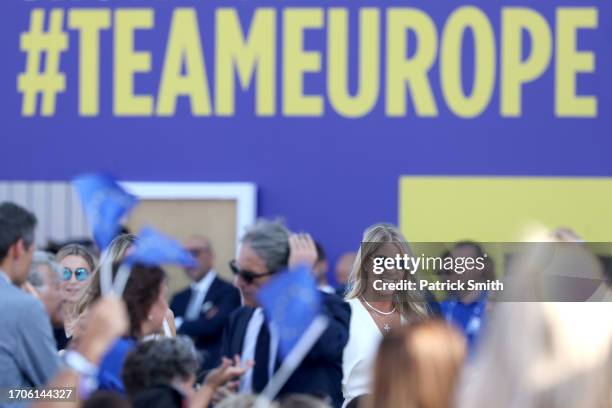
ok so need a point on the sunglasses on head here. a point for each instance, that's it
(80, 274)
(248, 276)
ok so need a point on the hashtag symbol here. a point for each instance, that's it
(37, 43)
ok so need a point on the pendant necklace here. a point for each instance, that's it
(386, 326)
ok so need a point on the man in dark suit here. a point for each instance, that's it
(202, 310)
(267, 248)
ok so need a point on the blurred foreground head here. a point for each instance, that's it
(418, 367)
(167, 361)
(539, 353)
(105, 399)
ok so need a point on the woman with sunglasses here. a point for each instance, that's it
(77, 264)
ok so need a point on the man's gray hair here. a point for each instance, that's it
(270, 240)
(42, 258)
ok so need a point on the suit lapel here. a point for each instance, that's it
(182, 300)
(211, 290)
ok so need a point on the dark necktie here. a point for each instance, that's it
(262, 359)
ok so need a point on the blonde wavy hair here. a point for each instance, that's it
(115, 253)
(409, 303)
(70, 309)
(418, 365)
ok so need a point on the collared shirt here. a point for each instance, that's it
(248, 348)
(327, 289)
(274, 340)
(5, 276)
(250, 343)
(199, 291)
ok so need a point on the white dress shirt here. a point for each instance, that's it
(199, 291)
(327, 289)
(248, 348)
(249, 345)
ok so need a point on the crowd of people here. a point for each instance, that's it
(212, 345)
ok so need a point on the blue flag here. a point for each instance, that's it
(105, 203)
(291, 301)
(154, 248)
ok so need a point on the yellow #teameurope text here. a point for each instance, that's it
(396, 74)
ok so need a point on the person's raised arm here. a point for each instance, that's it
(107, 320)
(302, 251)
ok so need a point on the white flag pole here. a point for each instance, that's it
(121, 279)
(106, 273)
(293, 360)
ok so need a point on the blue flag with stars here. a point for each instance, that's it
(154, 248)
(291, 301)
(105, 204)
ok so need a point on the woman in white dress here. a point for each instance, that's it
(375, 312)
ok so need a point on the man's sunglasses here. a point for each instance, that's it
(80, 274)
(248, 276)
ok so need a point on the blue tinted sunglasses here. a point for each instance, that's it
(80, 274)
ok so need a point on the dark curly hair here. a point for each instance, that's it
(161, 361)
(141, 292)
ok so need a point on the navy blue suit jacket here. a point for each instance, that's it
(207, 330)
(320, 374)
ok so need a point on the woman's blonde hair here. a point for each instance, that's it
(70, 309)
(418, 366)
(77, 250)
(115, 253)
(409, 303)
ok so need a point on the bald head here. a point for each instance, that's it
(197, 241)
(344, 266)
(201, 249)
